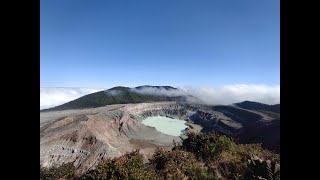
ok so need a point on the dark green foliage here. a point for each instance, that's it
(65, 171)
(116, 95)
(127, 167)
(207, 146)
(178, 164)
(200, 156)
(222, 155)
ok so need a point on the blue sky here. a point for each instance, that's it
(105, 43)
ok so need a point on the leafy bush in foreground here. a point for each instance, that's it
(223, 156)
(207, 146)
(65, 171)
(129, 166)
(178, 164)
(201, 156)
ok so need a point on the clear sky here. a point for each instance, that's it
(104, 43)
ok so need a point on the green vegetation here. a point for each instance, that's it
(200, 156)
(116, 95)
(178, 164)
(128, 166)
(65, 171)
(223, 156)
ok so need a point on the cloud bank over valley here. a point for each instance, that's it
(52, 96)
(225, 95)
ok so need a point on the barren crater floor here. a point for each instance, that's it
(88, 136)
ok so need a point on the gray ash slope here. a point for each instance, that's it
(87, 136)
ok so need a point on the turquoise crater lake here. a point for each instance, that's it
(173, 127)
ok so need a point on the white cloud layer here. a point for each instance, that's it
(160, 91)
(50, 97)
(236, 93)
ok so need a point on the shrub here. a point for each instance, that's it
(246, 151)
(178, 164)
(200, 156)
(223, 156)
(207, 146)
(65, 171)
(128, 167)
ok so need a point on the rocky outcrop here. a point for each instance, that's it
(262, 169)
(265, 132)
(85, 137)
(245, 117)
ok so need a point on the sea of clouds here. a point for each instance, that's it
(225, 95)
(52, 96)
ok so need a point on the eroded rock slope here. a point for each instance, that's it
(87, 136)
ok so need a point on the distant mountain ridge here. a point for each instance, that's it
(117, 95)
(158, 87)
(125, 95)
(259, 106)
